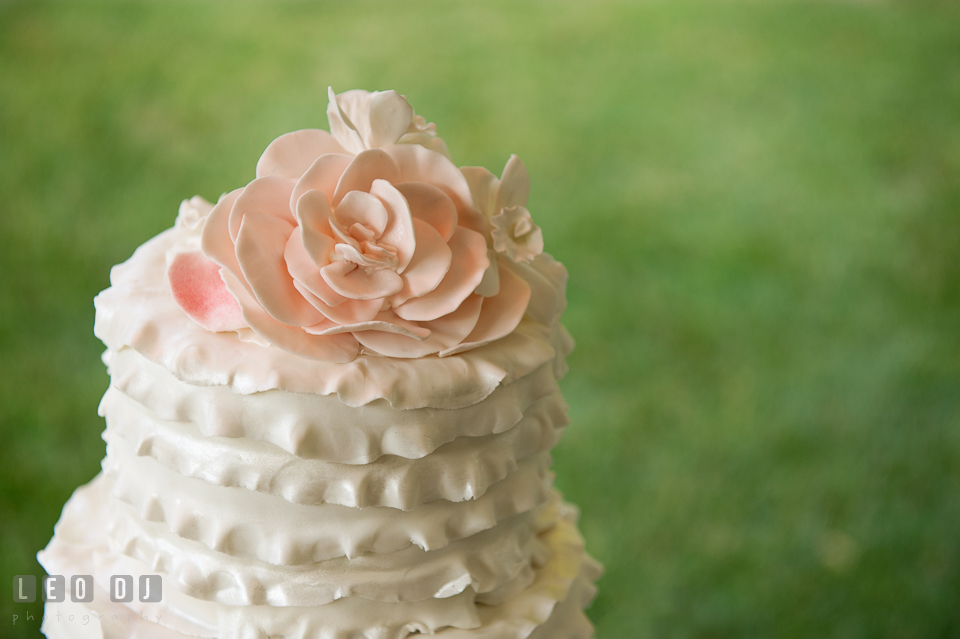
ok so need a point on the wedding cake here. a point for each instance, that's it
(332, 402)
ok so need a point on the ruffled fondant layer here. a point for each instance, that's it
(322, 427)
(461, 469)
(238, 522)
(78, 548)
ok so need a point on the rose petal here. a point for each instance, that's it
(270, 195)
(483, 188)
(453, 328)
(313, 213)
(359, 283)
(514, 185)
(198, 290)
(430, 263)
(431, 142)
(260, 247)
(490, 284)
(305, 271)
(418, 164)
(446, 332)
(399, 231)
(389, 118)
(347, 312)
(358, 207)
(215, 240)
(331, 348)
(431, 205)
(385, 322)
(322, 175)
(365, 168)
(466, 270)
(290, 154)
(393, 345)
(341, 109)
(547, 279)
(499, 315)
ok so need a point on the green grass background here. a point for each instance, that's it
(758, 203)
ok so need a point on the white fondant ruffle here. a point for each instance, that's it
(484, 562)
(239, 522)
(319, 427)
(462, 469)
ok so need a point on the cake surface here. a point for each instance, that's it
(332, 402)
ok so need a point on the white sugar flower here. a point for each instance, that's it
(515, 234)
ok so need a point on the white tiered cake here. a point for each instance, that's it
(332, 401)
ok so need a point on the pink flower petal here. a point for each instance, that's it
(365, 168)
(399, 231)
(347, 312)
(215, 240)
(198, 290)
(359, 283)
(385, 322)
(260, 247)
(466, 270)
(313, 213)
(358, 207)
(269, 195)
(452, 329)
(429, 265)
(431, 205)
(483, 188)
(291, 153)
(293, 339)
(499, 315)
(514, 185)
(418, 164)
(446, 332)
(490, 284)
(322, 175)
(393, 345)
(305, 271)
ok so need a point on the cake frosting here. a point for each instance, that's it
(332, 403)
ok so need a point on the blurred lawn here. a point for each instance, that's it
(758, 202)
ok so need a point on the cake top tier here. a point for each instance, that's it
(362, 243)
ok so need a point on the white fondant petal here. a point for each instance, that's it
(389, 117)
(514, 185)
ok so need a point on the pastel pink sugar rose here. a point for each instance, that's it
(365, 238)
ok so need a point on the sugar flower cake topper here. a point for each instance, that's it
(365, 238)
